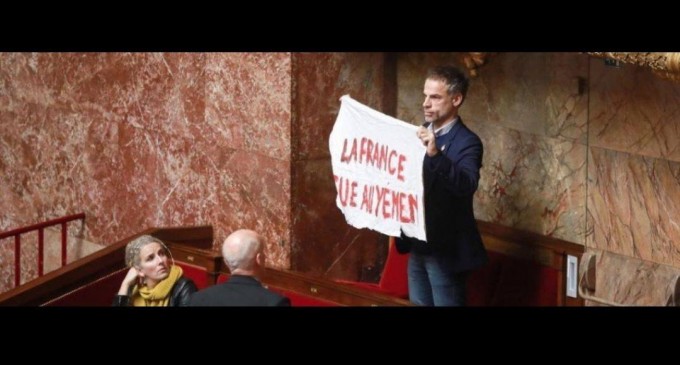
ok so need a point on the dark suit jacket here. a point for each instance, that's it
(238, 291)
(450, 180)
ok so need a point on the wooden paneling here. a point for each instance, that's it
(187, 246)
(547, 251)
(101, 263)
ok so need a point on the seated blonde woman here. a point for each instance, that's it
(151, 281)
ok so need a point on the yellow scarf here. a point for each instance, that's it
(159, 296)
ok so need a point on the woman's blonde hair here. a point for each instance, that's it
(133, 247)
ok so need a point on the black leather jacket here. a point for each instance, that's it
(179, 296)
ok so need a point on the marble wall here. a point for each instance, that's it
(529, 109)
(634, 183)
(576, 150)
(573, 149)
(147, 139)
(142, 140)
(322, 242)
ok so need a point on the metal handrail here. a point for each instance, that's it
(16, 233)
(45, 224)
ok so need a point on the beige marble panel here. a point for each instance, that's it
(632, 282)
(411, 72)
(634, 206)
(530, 110)
(532, 182)
(632, 110)
(538, 93)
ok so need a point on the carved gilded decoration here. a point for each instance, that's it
(474, 60)
(665, 64)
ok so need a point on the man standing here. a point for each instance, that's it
(438, 269)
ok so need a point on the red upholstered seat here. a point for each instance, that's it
(503, 281)
(195, 273)
(482, 283)
(222, 278)
(526, 283)
(394, 277)
(509, 281)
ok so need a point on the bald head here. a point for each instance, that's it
(240, 250)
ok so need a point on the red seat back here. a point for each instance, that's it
(195, 273)
(394, 278)
(526, 283)
(482, 283)
(510, 281)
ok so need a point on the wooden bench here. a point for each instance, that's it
(95, 279)
(524, 269)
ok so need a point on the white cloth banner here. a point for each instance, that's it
(377, 166)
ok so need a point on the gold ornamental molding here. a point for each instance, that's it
(665, 64)
(474, 60)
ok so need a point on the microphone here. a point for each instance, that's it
(425, 125)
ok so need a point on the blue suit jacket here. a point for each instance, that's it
(450, 180)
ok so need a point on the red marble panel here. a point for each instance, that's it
(124, 138)
(228, 188)
(320, 80)
(322, 242)
(248, 102)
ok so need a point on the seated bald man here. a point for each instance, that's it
(243, 252)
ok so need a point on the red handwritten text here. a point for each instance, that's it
(365, 151)
(378, 200)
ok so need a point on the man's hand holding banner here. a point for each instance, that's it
(377, 166)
